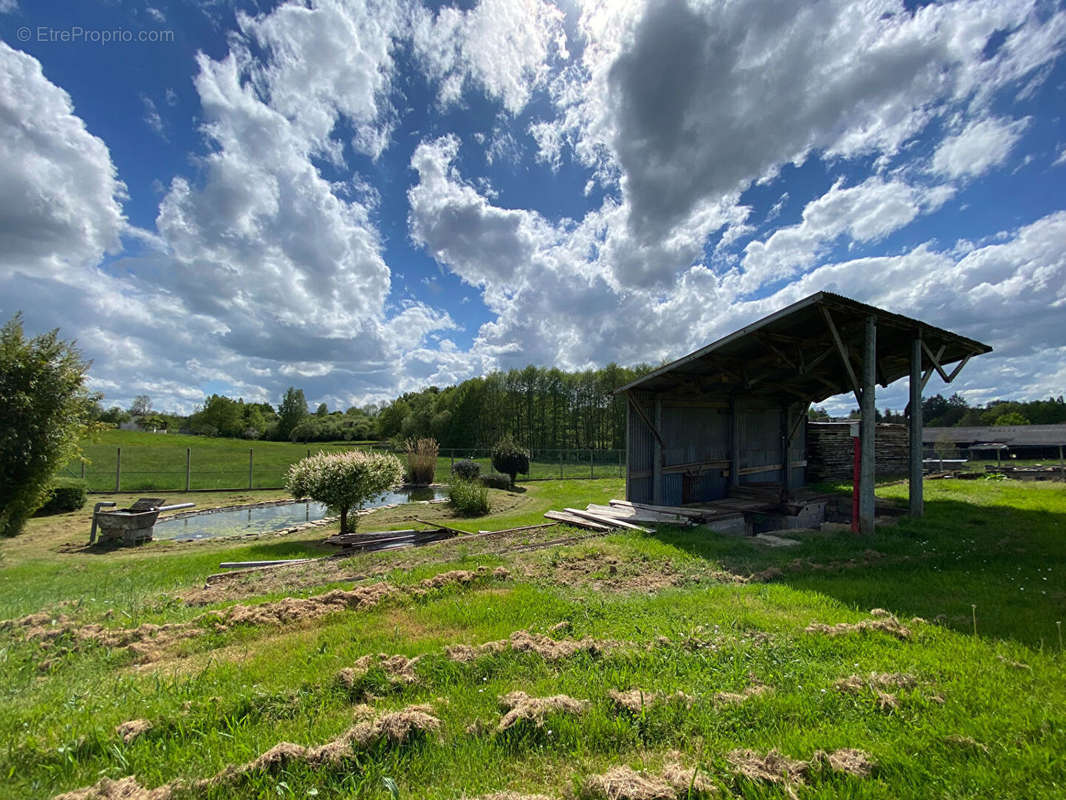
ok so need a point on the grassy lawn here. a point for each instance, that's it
(156, 462)
(722, 620)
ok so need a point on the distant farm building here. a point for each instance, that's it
(985, 442)
(734, 413)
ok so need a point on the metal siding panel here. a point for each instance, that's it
(672, 490)
(760, 438)
(694, 434)
(640, 490)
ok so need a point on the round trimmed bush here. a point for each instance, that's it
(510, 459)
(466, 470)
(344, 480)
(496, 480)
(66, 494)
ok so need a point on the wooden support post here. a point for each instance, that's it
(657, 455)
(868, 428)
(251, 462)
(118, 468)
(917, 504)
(188, 468)
(734, 443)
(83, 469)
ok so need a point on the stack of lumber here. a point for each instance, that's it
(623, 515)
(830, 455)
(388, 540)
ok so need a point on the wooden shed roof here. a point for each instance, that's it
(793, 352)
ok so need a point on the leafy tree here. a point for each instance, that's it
(817, 414)
(292, 411)
(44, 410)
(509, 458)
(1011, 418)
(344, 481)
(322, 410)
(142, 404)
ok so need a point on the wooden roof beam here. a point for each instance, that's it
(844, 355)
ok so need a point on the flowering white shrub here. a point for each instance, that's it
(344, 481)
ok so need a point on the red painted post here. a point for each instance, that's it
(856, 446)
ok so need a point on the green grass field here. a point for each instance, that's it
(938, 711)
(153, 461)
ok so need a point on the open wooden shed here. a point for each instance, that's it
(735, 412)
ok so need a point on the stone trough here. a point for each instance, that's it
(129, 526)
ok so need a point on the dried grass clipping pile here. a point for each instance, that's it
(521, 707)
(525, 642)
(399, 669)
(122, 789)
(635, 701)
(882, 621)
(625, 783)
(132, 729)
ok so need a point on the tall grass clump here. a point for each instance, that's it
(345, 480)
(468, 498)
(422, 459)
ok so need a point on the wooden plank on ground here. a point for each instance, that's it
(580, 522)
(638, 515)
(676, 510)
(604, 520)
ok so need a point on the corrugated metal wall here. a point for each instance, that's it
(697, 434)
(640, 453)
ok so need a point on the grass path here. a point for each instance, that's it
(976, 716)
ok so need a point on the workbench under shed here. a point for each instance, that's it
(734, 413)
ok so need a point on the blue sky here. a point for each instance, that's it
(363, 198)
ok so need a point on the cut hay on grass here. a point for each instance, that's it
(736, 698)
(853, 684)
(624, 783)
(520, 707)
(392, 728)
(882, 621)
(634, 701)
(149, 642)
(128, 731)
(774, 767)
(525, 642)
(398, 669)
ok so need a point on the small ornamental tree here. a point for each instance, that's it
(510, 459)
(344, 481)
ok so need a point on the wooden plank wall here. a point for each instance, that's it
(830, 453)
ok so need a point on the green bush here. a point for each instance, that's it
(510, 459)
(344, 480)
(496, 480)
(466, 470)
(68, 494)
(44, 410)
(468, 498)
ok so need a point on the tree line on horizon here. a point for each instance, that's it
(539, 408)
(956, 412)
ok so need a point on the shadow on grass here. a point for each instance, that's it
(1009, 562)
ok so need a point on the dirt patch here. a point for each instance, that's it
(625, 783)
(635, 701)
(129, 731)
(520, 707)
(882, 621)
(525, 642)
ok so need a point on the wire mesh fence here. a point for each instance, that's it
(176, 468)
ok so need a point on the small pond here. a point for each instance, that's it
(263, 519)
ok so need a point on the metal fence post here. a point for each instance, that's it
(592, 463)
(561, 464)
(83, 470)
(118, 468)
(250, 464)
(188, 468)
